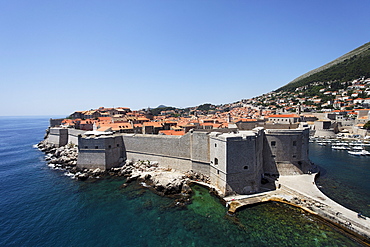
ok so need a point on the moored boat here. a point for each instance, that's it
(362, 152)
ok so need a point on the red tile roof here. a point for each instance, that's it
(172, 132)
(284, 116)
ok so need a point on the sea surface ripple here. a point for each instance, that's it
(40, 206)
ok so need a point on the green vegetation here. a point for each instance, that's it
(367, 125)
(157, 111)
(350, 66)
(206, 107)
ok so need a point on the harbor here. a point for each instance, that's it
(351, 146)
(301, 191)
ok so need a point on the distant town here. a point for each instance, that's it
(329, 109)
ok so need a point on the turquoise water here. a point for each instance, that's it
(42, 207)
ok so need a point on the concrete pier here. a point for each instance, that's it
(301, 191)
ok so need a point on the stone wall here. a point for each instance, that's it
(286, 147)
(62, 136)
(57, 136)
(169, 151)
(199, 152)
(55, 122)
(234, 162)
(73, 135)
(102, 152)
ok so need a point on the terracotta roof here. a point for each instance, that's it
(246, 120)
(154, 124)
(172, 132)
(284, 116)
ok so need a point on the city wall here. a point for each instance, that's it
(286, 152)
(62, 136)
(104, 152)
(235, 162)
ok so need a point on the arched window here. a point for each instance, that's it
(216, 161)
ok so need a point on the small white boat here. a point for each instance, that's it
(356, 153)
(362, 152)
(340, 148)
(357, 148)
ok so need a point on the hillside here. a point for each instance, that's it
(352, 65)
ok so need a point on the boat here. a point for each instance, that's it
(340, 148)
(362, 152)
(357, 148)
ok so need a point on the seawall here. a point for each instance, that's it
(301, 191)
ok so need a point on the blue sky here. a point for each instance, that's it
(57, 57)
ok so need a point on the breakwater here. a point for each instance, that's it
(302, 192)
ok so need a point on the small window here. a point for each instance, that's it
(117, 145)
(273, 156)
(216, 161)
(215, 145)
(96, 147)
(109, 146)
(294, 143)
(86, 147)
(218, 171)
(294, 156)
(273, 143)
(245, 167)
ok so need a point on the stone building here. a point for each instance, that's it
(236, 162)
(102, 152)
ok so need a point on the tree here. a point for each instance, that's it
(367, 125)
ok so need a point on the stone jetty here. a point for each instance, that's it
(301, 191)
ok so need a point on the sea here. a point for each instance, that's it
(41, 206)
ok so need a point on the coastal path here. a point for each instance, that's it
(301, 191)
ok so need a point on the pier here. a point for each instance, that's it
(301, 191)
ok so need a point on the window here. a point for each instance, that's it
(96, 147)
(294, 156)
(273, 143)
(294, 143)
(215, 145)
(86, 147)
(218, 171)
(117, 145)
(245, 167)
(216, 161)
(109, 146)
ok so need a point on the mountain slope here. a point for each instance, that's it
(351, 65)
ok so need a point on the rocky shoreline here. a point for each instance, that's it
(163, 181)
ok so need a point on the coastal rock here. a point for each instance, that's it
(82, 176)
(64, 157)
(96, 172)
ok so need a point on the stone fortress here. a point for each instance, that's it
(236, 161)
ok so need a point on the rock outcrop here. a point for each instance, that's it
(164, 181)
(64, 157)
